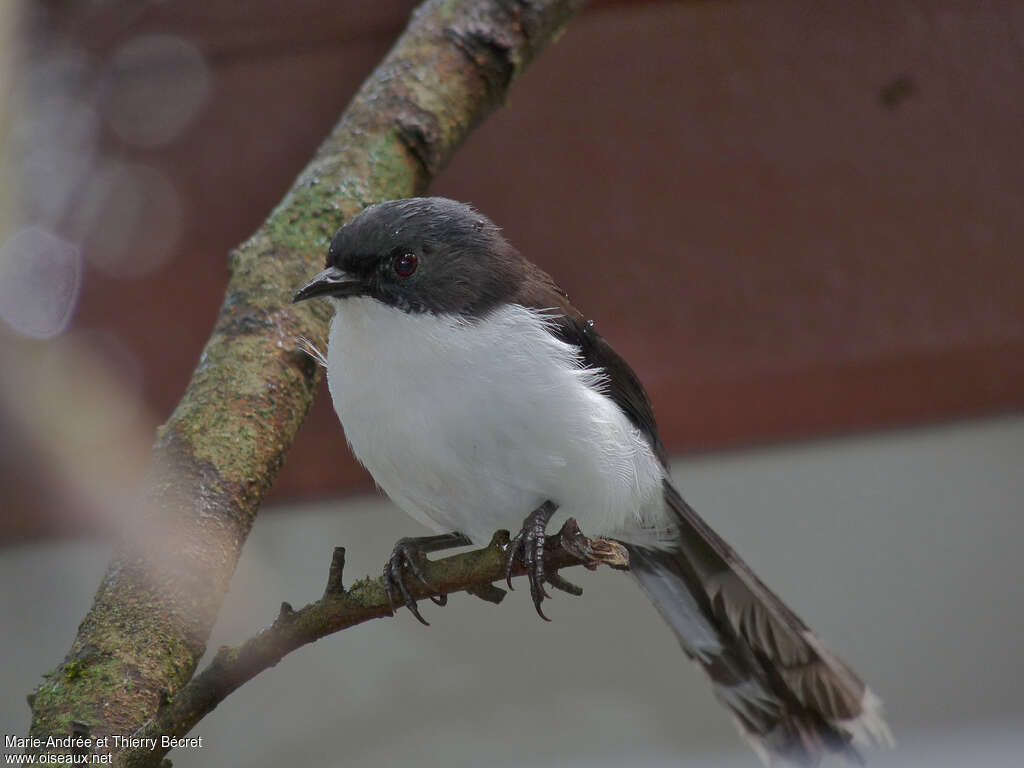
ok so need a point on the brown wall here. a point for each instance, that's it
(792, 218)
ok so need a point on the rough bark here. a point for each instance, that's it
(219, 452)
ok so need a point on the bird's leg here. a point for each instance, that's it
(528, 544)
(410, 552)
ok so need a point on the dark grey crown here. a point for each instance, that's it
(463, 264)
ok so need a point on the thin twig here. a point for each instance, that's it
(339, 609)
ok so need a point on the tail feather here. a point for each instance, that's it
(791, 698)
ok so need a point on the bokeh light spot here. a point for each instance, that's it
(40, 277)
(130, 220)
(156, 86)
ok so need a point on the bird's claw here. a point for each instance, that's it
(406, 553)
(528, 545)
(410, 552)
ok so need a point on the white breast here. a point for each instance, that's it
(470, 426)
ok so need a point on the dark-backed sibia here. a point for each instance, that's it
(480, 398)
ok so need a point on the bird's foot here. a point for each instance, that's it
(528, 545)
(409, 553)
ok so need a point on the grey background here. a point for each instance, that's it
(901, 549)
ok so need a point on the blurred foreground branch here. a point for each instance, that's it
(219, 452)
(340, 609)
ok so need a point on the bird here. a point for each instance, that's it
(480, 398)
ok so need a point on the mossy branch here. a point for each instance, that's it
(340, 609)
(217, 455)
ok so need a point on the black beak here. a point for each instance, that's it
(331, 282)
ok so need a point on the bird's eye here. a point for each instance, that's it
(406, 264)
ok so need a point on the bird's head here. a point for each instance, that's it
(422, 254)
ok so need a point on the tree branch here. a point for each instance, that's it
(219, 452)
(340, 609)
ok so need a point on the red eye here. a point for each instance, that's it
(406, 264)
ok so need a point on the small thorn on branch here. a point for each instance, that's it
(285, 612)
(488, 592)
(558, 581)
(500, 540)
(335, 587)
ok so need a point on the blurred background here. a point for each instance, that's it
(802, 225)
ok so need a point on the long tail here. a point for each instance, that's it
(791, 698)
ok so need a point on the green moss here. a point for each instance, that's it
(390, 168)
(306, 219)
(80, 699)
(73, 669)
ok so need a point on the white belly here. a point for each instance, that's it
(471, 427)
